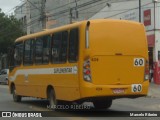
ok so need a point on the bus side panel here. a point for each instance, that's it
(18, 81)
(30, 82)
(35, 83)
(66, 86)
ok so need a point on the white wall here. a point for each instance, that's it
(128, 11)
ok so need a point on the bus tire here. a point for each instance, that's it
(52, 99)
(16, 98)
(102, 104)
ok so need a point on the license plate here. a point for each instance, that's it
(118, 91)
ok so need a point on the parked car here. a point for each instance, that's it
(4, 76)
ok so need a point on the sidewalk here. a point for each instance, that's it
(154, 90)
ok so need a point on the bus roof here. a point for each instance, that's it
(50, 31)
(47, 32)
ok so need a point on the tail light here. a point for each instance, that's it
(146, 74)
(87, 71)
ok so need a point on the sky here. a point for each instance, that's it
(8, 5)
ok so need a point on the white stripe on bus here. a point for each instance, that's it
(46, 71)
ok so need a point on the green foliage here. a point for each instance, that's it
(10, 30)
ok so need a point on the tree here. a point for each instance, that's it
(10, 30)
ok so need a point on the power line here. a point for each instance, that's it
(32, 22)
(34, 5)
(43, 14)
(66, 10)
(121, 12)
(13, 8)
(128, 10)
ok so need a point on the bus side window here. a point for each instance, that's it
(59, 47)
(38, 50)
(57, 38)
(18, 55)
(28, 52)
(46, 49)
(73, 45)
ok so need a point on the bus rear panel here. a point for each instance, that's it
(118, 60)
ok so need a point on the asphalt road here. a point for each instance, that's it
(119, 107)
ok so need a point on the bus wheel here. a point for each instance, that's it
(52, 99)
(16, 98)
(99, 104)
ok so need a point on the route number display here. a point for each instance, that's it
(138, 62)
(136, 88)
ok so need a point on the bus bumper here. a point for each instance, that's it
(89, 90)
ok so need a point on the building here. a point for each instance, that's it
(61, 12)
(29, 14)
(38, 15)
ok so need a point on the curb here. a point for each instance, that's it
(154, 91)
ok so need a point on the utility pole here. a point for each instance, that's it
(43, 13)
(73, 12)
(28, 14)
(71, 15)
(41, 10)
(154, 2)
(139, 10)
(70, 12)
(76, 9)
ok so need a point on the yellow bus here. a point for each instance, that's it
(95, 60)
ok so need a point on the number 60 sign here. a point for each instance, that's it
(138, 62)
